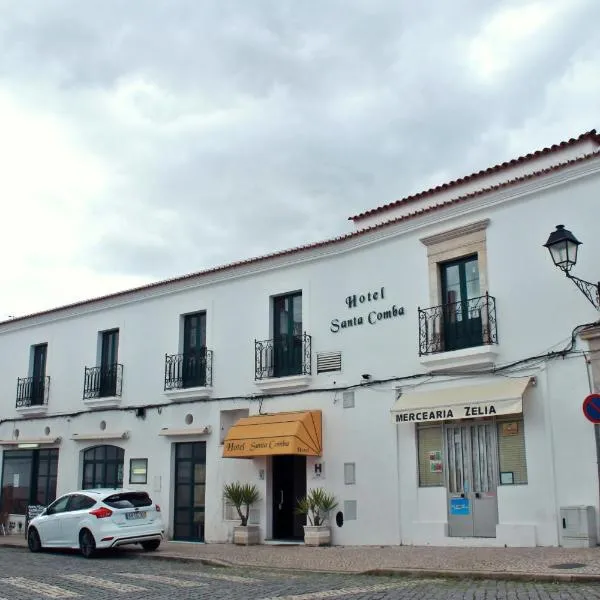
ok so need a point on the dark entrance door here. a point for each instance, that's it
(287, 335)
(108, 363)
(194, 350)
(462, 309)
(289, 484)
(38, 379)
(190, 491)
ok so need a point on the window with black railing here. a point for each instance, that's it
(282, 356)
(456, 325)
(103, 382)
(32, 391)
(188, 370)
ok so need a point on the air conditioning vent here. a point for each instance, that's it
(329, 361)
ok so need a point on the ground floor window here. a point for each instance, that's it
(103, 467)
(28, 477)
(436, 456)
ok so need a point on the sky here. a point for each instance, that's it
(143, 140)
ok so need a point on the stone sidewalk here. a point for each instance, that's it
(539, 564)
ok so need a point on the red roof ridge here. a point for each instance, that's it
(588, 135)
(313, 245)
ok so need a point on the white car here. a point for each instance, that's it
(95, 519)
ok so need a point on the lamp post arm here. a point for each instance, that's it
(590, 290)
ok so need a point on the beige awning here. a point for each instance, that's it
(501, 397)
(168, 432)
(31, 442)
(105, 435)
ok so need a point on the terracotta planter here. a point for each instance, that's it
(317, 536)
(246, 535)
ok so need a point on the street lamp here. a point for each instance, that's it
(563, 245)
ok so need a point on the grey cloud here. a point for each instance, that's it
(283, 118)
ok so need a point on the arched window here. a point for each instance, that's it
(103, 467)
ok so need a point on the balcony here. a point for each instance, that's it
(32, 395)
(102, 386)
(189, 375)
(460, 335)
(283, 363)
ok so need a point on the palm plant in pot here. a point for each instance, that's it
(243, 495)
(316, 506)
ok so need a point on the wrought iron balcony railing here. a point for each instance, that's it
(283, 356)
(463, 324)
(32, 391)
(188, 370)
(103, 382)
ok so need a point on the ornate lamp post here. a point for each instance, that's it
(563, 245)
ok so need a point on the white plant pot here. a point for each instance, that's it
(317, 535)
(246, 535)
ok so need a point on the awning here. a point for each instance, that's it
(502, 397)
(279, 433)
(169, 432)
(24, 443)
(105, 435)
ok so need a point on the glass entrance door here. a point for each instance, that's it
(462, 318)
(472, 458)
(190, 491)
(28, 477)
(38, 380)
(194, 350)
(287, 335)
(108, 363)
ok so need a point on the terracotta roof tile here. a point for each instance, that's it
(312, 246)
(589, 135)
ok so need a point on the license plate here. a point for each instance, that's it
(135, 515)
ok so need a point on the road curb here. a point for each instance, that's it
(383, 572)
(490, 575)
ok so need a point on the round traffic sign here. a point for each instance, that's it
(591, 408)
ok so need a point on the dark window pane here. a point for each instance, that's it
(100, 453)
(184, 451)
(111, 452)
(184, 472)
(200, 451)
(184, 496)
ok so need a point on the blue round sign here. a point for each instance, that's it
(591, 408)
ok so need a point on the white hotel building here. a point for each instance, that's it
(428, 368)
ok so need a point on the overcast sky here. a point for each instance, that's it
(146, 139)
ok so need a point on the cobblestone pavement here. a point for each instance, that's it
(26, 576)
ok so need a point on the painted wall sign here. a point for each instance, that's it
(456, 412)
(591, 408)
(372, 317)
(460, 506)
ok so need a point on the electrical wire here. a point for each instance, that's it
(535, 359)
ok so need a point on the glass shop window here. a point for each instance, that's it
(511, 452)
(430, 445)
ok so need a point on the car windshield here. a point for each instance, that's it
(128, 500)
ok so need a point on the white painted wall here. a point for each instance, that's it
(537, 310)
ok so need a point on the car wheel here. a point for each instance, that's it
(33, 540)
(87, 544)
(151, 545)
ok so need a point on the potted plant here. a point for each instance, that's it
(316, 506)
(243, 495)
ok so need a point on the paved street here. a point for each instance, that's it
(25, 576)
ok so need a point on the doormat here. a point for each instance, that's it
(568, 566)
